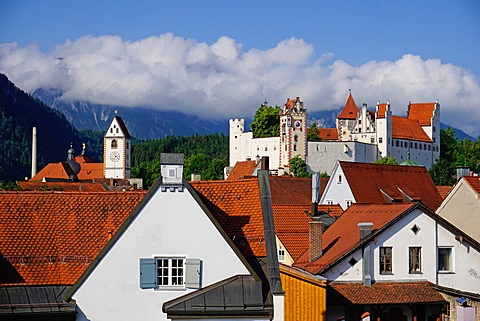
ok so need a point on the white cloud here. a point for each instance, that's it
(222, 80)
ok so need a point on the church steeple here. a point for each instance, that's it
(117, 149)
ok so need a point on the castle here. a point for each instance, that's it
(361, 135)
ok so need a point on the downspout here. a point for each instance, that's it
(271, 247)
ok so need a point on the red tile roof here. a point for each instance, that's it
(422, 112)
(82, 159)
(292, 227)
(242, 170)
(62, 171)
(328, 133)
(383, 293)
(62, 186)
(405, 128)
(333, 210)
(289, 190)
(343, 235)
(350, 111)
(49, 238)
(382, 108)
(444, 190)
(474, 182)
(237, 208)
(375, 183)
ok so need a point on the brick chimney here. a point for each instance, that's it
(315, 240)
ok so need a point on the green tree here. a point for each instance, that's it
(266, 121)
(386, 161)
(443, 172)
(312, 133)
(298, 167)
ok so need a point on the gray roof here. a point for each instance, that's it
(45, 300)
(238, 295)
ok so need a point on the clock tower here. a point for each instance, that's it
(117, 150)
(293, 132)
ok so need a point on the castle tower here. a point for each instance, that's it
(293, 131)
(347, 119)
(383, 126)
(117, 150)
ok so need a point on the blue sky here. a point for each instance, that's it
(244, 52)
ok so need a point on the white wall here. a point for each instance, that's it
(322, 156)
(465, 274)
(170, 224)
(337, 191)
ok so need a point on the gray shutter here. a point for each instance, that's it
(193, 273)
(148, 273)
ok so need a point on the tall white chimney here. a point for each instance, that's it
(34, 151)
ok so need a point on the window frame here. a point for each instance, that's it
(449, 259)
(190, 278)
(385, 267)
(172, 281)
(415, 260)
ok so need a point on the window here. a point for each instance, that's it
(339, 181)
(172, 172)
(348, 203)
(385, 260)
(380, 140)
(445, 259)
(114, 143)
(170, 272)
(329, 202)
(415, 260)
(281, 255)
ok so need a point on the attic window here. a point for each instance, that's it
(415, 229)
(352, 261)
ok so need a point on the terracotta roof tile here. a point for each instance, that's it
(444, 190)
(422, 112)
(383, 293)
(293, 190)
(382, 108)
(62, 186)
(49, 238)
(328, 133)
(375, 183)
(292, 227)
(62, 171)
(242, 170)
(350, 111)
(333, 210)
(405, 128)
(474, 181)
(343, 235)
(237, 208)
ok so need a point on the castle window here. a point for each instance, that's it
(434, 140)
(434, 129)
(117, 130)
(420, 146)
(114, 143)
(396, 143)
(372, 140)
(128, 145)
(416, 146)
(429, 147)
(111, 130)
(380, 140)
(266, 148)
(295, 147)
(411, 144)
(295, 138)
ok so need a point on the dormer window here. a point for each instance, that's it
(172, 172)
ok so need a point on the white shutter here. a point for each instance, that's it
(193, 273)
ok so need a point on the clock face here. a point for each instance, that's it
(115, 156)
(298, 124)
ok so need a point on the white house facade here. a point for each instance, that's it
(163, 251)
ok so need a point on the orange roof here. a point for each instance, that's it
(474, 182)
(382, 108)
(328, 133)
(289, 190)
(350, 111)
(63, 186)
(422, 112)
(63, 171)
(444, 190)
(241, 170)
(333, 210)
(50, 238)
(290, 102)
(406, 128)
(237, 208)
(82, 159)
(292, 227)
(343, 235)
(377, 183)
(383, 293)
